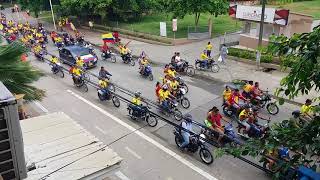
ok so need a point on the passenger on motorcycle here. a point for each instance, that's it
(187, 124)
(104, 74)
(244, 117)
(105, 48)
(173, 86)
(76, 75)
(173, 58)
(247, 90)
(136, 106)
(204, 59)
(226, 94)
(307, 110)
(158, 88)
(143, 63)
(53, 61)
(177, 61)
(124, 50)
(104, 86)
(213, 122)
(233, 100)
(79, 62)
(166, 69)
(171, 72)
(37, 49)
(164, 96)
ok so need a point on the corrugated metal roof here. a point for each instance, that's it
(5, 94)
(62, 149)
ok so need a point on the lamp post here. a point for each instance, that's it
(263, 2)
(54, 22)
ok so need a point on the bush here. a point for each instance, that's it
(250, 55)
(266, 58)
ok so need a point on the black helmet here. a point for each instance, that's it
(296, 113)
(188, 117)
(137, 94)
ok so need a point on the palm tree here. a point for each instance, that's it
(16, 75)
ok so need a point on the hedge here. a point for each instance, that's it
(250, 55)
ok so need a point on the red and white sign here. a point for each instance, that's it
(174, 24)
(253, 13)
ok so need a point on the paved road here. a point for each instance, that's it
(142, 160)
(148, 153)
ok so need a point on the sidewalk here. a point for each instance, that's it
(161, 55)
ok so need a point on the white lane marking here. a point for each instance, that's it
(133, 153)
(121, 175)
(147, 138)
(37, 103)
(101, 130)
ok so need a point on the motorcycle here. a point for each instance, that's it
(196, 144)
(108, 55)
(147, 72)
(230, 136)
(182, 84)
(57, 69)
(106, 95)
(212, 65)
(39, 56)
(265, 101)
(172, 109)
(181, 98)
(185, 67)
(127, 59)
(60, 45)
(255, 131)
(79, 82)
(144, 114)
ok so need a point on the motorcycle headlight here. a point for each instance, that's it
(95, 59)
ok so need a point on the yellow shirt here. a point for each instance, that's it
(37, 49)
(54, 60)
(80, 62)
(103, 83)
(306, 109)
(38, 35)
(136, 101)
(247, 88)
(163, 95)
(58, 39)
(144, 62)
(209, 47)
(77, 71)
(171, 73)
(203, 56)
(243, 113)
(226, 94)
(174, 84)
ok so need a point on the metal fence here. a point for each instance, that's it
(200, 32)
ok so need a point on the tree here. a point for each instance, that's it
(303, 77)
(17, 75)
(33, 5)
(180, 8)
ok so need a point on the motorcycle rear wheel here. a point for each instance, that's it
(113, 58)
(152, 121)
(206, 156)
(116, 101)
(150, 77)
(132, 63)
(178, 141)
(272, 108)
(185, 103)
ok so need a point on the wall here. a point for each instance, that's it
(298, 23)
(251, 41)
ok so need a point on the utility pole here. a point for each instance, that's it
(263, 2)
(54, 22)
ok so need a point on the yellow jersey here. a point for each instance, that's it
(226, 94)
(80, 62)
(171, 73)
(247, 88)
(174, 84)
(54, 60)
(144, 62)
(306, 109)
(37, 49)
(103, 83)
(203, 56)
(209, 47)
(163, 95)
(136, 101)
(243, 113)
(77, 71)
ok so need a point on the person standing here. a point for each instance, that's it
(91, 24)
(209, 49)
(223, 53)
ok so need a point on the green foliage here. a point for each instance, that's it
(197, 7)
(304, 51)
(250, 55)
(17, 75)
(34, 6)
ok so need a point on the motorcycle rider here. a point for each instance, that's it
(307, 110)
(136, 106)
(79, 62)
(244, 117)
(173, 86)
(204, 59)
(124, 51)
(247, 90)
(233, 100)
(187, 124)
(105, 48)
(104, 84)
(164, 95)
(178, 62)
(213, 122)
(143, 63)
(173, 58)
(76, 75)
(226, 94)
(53, 61)
(104, 74)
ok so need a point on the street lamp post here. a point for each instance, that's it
(263, 2)
(54, 22)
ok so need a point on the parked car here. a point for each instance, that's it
(69, 56)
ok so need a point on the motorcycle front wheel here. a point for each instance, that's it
(206, 156)
(85, 87)
(152, 121)
(190, 71)
(113, 58)
(272, 108)
(215, 68)
(178, 141)
(150, 77)
(185, 103)
(61, 73)
(132, 63)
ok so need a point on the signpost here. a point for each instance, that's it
(163, 29)
(174, 27)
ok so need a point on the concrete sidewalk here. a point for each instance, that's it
(161, 55)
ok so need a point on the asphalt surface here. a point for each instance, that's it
(144, 159)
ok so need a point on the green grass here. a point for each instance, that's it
(151, 24)
(7, 5)
(305, 7)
